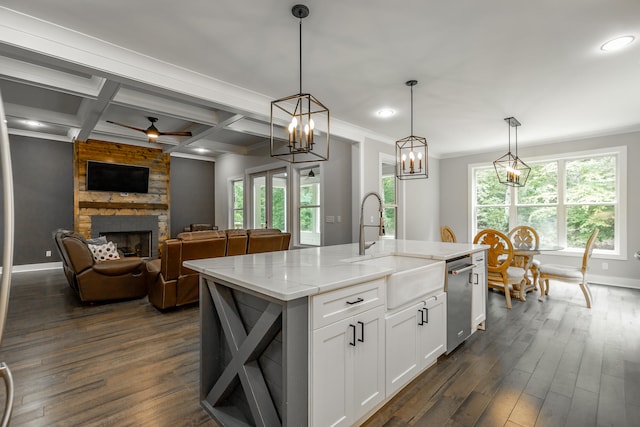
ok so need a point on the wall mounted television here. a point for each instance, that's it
(102, 176)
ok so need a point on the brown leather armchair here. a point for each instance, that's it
(170, 283)
(99, 281)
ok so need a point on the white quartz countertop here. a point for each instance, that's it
(292, 274)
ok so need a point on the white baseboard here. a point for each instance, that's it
(623, 282)
(35, 267)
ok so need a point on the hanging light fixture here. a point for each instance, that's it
(411, 152)
(510, 169)
(305, 134)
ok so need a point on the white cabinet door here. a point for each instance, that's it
(402, 347)
(332, 375)
(347, 369)
(479, 293)
(368, 361)
(416, 336)
(432, 330)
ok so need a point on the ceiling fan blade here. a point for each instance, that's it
(126, 126)
(176, 133)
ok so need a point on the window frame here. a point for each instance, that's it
(620, 231)
(231, 198)
(297, 206)
(389, 160)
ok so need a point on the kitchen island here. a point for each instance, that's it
(303, 337)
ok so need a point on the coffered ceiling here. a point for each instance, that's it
(212, 68)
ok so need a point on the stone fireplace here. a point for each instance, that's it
(136, 235)
(123, 217)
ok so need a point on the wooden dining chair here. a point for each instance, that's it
(526, 237)
(447, 234)
(570, 274)
(501, 274)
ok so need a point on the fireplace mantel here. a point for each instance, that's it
(126, 205)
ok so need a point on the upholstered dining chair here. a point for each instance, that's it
(526, 237)
(501, 274)
(570, 274)
(447, 234)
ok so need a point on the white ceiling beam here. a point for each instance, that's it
(96, 109)
(36, 75)
(223, 147)
(40, 115)
(208, 132)
(39, 135)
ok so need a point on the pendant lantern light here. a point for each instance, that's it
(511, 170)
(412, 160)
(299, 123)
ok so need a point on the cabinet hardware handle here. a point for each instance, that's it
(359, 300)
(477, 281)
(421, 322)
(426, 311)
(353, 329)
(361, 339)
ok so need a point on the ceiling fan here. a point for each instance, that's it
(152, 132)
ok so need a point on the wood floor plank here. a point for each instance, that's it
(526, 411)
(583, 410)
(554, 411)
(611, 402)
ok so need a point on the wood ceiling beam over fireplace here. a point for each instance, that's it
(89, 204)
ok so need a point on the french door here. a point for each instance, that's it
(269, 195)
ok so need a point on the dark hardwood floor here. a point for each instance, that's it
(553, 364)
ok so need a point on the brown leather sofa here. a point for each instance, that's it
(170, 283)
(267, 240)
(99, 281)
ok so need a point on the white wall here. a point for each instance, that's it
(418, 210)
(455, 209)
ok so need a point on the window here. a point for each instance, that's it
(564, 199)
(237, 204)
(389, 199)
(269, 199)
(309, 214)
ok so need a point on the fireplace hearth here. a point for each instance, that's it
(135, 235)
(131, 243)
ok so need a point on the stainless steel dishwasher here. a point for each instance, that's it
(458, 288)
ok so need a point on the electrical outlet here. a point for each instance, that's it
(605, 265)
(47, 253)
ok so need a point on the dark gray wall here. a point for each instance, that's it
(43, 196)
(192, 193)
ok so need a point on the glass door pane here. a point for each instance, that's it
(258, 205)
(279, 200)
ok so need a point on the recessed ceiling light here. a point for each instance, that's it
(617, 43)
(201, 150)
(32, 123)
(385, 112)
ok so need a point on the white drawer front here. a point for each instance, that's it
(342, 303)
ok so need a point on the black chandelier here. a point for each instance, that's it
(412, 151)
(511, 170)
(299, 123)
